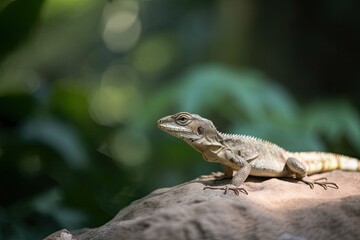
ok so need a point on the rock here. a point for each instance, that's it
(274, 209)
(61, 235)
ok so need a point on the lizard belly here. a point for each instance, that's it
(263, 168)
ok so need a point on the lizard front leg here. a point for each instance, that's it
(238, 179)
(301, 173)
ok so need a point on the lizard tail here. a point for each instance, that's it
(317, 162)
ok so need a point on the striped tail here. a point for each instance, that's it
(317, 162)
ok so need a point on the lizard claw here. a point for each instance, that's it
(320, 181)
(236, 190)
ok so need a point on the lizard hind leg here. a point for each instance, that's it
(300, 171)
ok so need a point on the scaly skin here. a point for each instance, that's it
(251, 156)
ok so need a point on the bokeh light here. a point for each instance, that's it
(117, 98)
(155, 54)
(123, 151)
(122, 28)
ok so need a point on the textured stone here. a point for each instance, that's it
(62, 234)
(274, 209)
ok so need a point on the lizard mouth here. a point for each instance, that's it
(176, 131)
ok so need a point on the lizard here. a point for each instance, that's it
(246, 155)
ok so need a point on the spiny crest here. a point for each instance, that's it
(230, 135)
(241, 136)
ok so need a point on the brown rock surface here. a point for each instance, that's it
(62, 234)
(274, 209)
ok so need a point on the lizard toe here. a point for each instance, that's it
(320, 181)
(236, 190)
(326, 184)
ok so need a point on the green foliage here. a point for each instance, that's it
(334, 120)
(22, 15)
(252, 104)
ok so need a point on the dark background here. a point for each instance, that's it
(82, 84)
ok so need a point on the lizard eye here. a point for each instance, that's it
(182, 120)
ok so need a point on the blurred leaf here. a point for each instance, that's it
(213, 85)
(71, 99)
(333, 120)
(353, 130)
(58, 136)
(14, 109)
(4, 4)
(16, 21)
(55, 8)
(49, 203)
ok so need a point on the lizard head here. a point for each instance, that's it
(187, 126)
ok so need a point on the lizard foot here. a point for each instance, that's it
(320, 181)
(236, 190)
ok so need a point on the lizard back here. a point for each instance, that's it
(258, 153)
